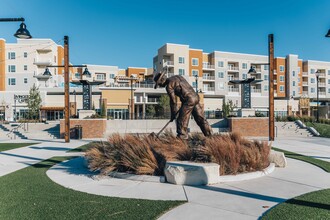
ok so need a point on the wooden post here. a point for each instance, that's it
(271, 87)
(66, 90)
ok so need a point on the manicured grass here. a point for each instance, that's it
(9, 146)
(30, 194)
(323, 129)
(314, 205)
(83, 148)
(320, 163)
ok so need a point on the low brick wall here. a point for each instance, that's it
(249, 126)
(91, 128)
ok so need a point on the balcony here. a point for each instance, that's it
(42, 62)
(255, 90)
(153, 100)
(322, 85)
(168, 63)
(305, 83)
(233, 89)
(233, 68)
(205, 77)
(322, 75)
(232, 78)
(305, 93)
(208, 89)
(207, 66)
(275, 81)
(322, 93)
(305, 73)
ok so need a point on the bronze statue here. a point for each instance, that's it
(177, 86)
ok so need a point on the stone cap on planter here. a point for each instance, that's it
(191, 173)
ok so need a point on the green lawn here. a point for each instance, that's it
(323, 129)
(9, 146)
(82, 148)
(314, 205)
(320, 163)
(30, 194)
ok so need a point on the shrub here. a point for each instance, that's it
(143, 154)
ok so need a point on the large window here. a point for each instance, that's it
(312, 80)
(25, 67)
(265, 87)
(293, 83)
(266, 67)
(312, 71)
(25, 81)
(265, 77)
(11, 68)
(221, 74)
(244, 65)
(281, 68)
(11, 55)
(293, 73)
(281, 88)
(181, 59)
(100, 76)
(220, 63)
(194, 61)
(11, 81)
(111, 75)
(25, 54)
(194, 72)
(244, 76)
(312, 90)
(181, 72)
(281, 78)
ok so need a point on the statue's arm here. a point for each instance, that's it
(173, 103)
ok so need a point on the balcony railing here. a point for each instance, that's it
(209, 89)
(322, 93)
(322, 84)
(153, 100)
(305, 93)
(169, 63)
(42, 62)
(208, 66)
(305, 73)
(209, 77)
(256, 90)
(305, 83)
(232, 78)
(322, 75)
(234, 68)
(275, 81)
(233, 89)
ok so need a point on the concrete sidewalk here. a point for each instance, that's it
(316, 147)
(19, 158)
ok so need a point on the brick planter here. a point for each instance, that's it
(249, 126)
(91, 128)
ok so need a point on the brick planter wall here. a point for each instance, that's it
(91, 128)
(249, 126)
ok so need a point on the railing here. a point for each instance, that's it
(153, 100)
(169, 63)
(322, 84)
(127, 85)
(209, 89)
(208, 66)
(233, 78)
(209, 77)
(305, 83)
(233, 89)
(305, 73)
(256, 90)
(12, 131)
(235, 68)
(305, 93)
(322, 93)
(275, 81)
(322, 75)
(42, 62)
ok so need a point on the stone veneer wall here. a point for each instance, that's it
(91, 128)
(249, 126)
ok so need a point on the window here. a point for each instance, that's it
(298, 70)
(266, 67)
(312, 80)
(11, 68)
(281, 78)
(11, 55)
(298, 89)
(294, 93)
(298, 80)
(100, 76)
(25, 54)
(328, 72)
(111, 75)
(220, 63)
(25, 80)
(265, 87)
(181, 72)
(194, 72)
(329, 90)
(77, 75)
(220, 74)
(25, 67)
(244, 75)
(312, 71)
(221, 85)
(265, 77)
(11, 81)
(244, 65)
(193, 84)
(281, 88)
(328, 81)
(194, 61)
(293, 83)
(181, 59)
(281, 68)
(293, 73)
(312, 90)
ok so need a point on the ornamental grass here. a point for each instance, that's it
(144, 154)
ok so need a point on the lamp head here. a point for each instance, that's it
(317, 73)
(86, 73)
(47, 72)
(328, 34)
(22, 32)
(252, 70)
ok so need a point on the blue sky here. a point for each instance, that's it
(128, 33)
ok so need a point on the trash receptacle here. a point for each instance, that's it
(78, 129)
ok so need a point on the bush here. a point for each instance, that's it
(143, 154)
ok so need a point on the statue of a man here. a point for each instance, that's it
(177, 86)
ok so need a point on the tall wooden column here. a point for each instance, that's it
(271, 87)
(66, 90)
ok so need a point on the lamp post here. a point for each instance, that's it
(15, 116)
(270, 85)
(196, 80)
(66, 88)
(317, 74)
(22, 32)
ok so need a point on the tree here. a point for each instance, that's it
(164, 105)
(103, 109)
(34, 102)
(150, 111)
(227, 108)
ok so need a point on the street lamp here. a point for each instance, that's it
(270, 85)
(317, 74)
(22, 32)
(66, 88)
(196, 80)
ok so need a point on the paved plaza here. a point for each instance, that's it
(247, 199)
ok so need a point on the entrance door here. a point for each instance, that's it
(118, 115)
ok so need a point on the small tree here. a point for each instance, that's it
(103, 110)
(34, 102)
(164, 105)
(150, 111)
(227, 108)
